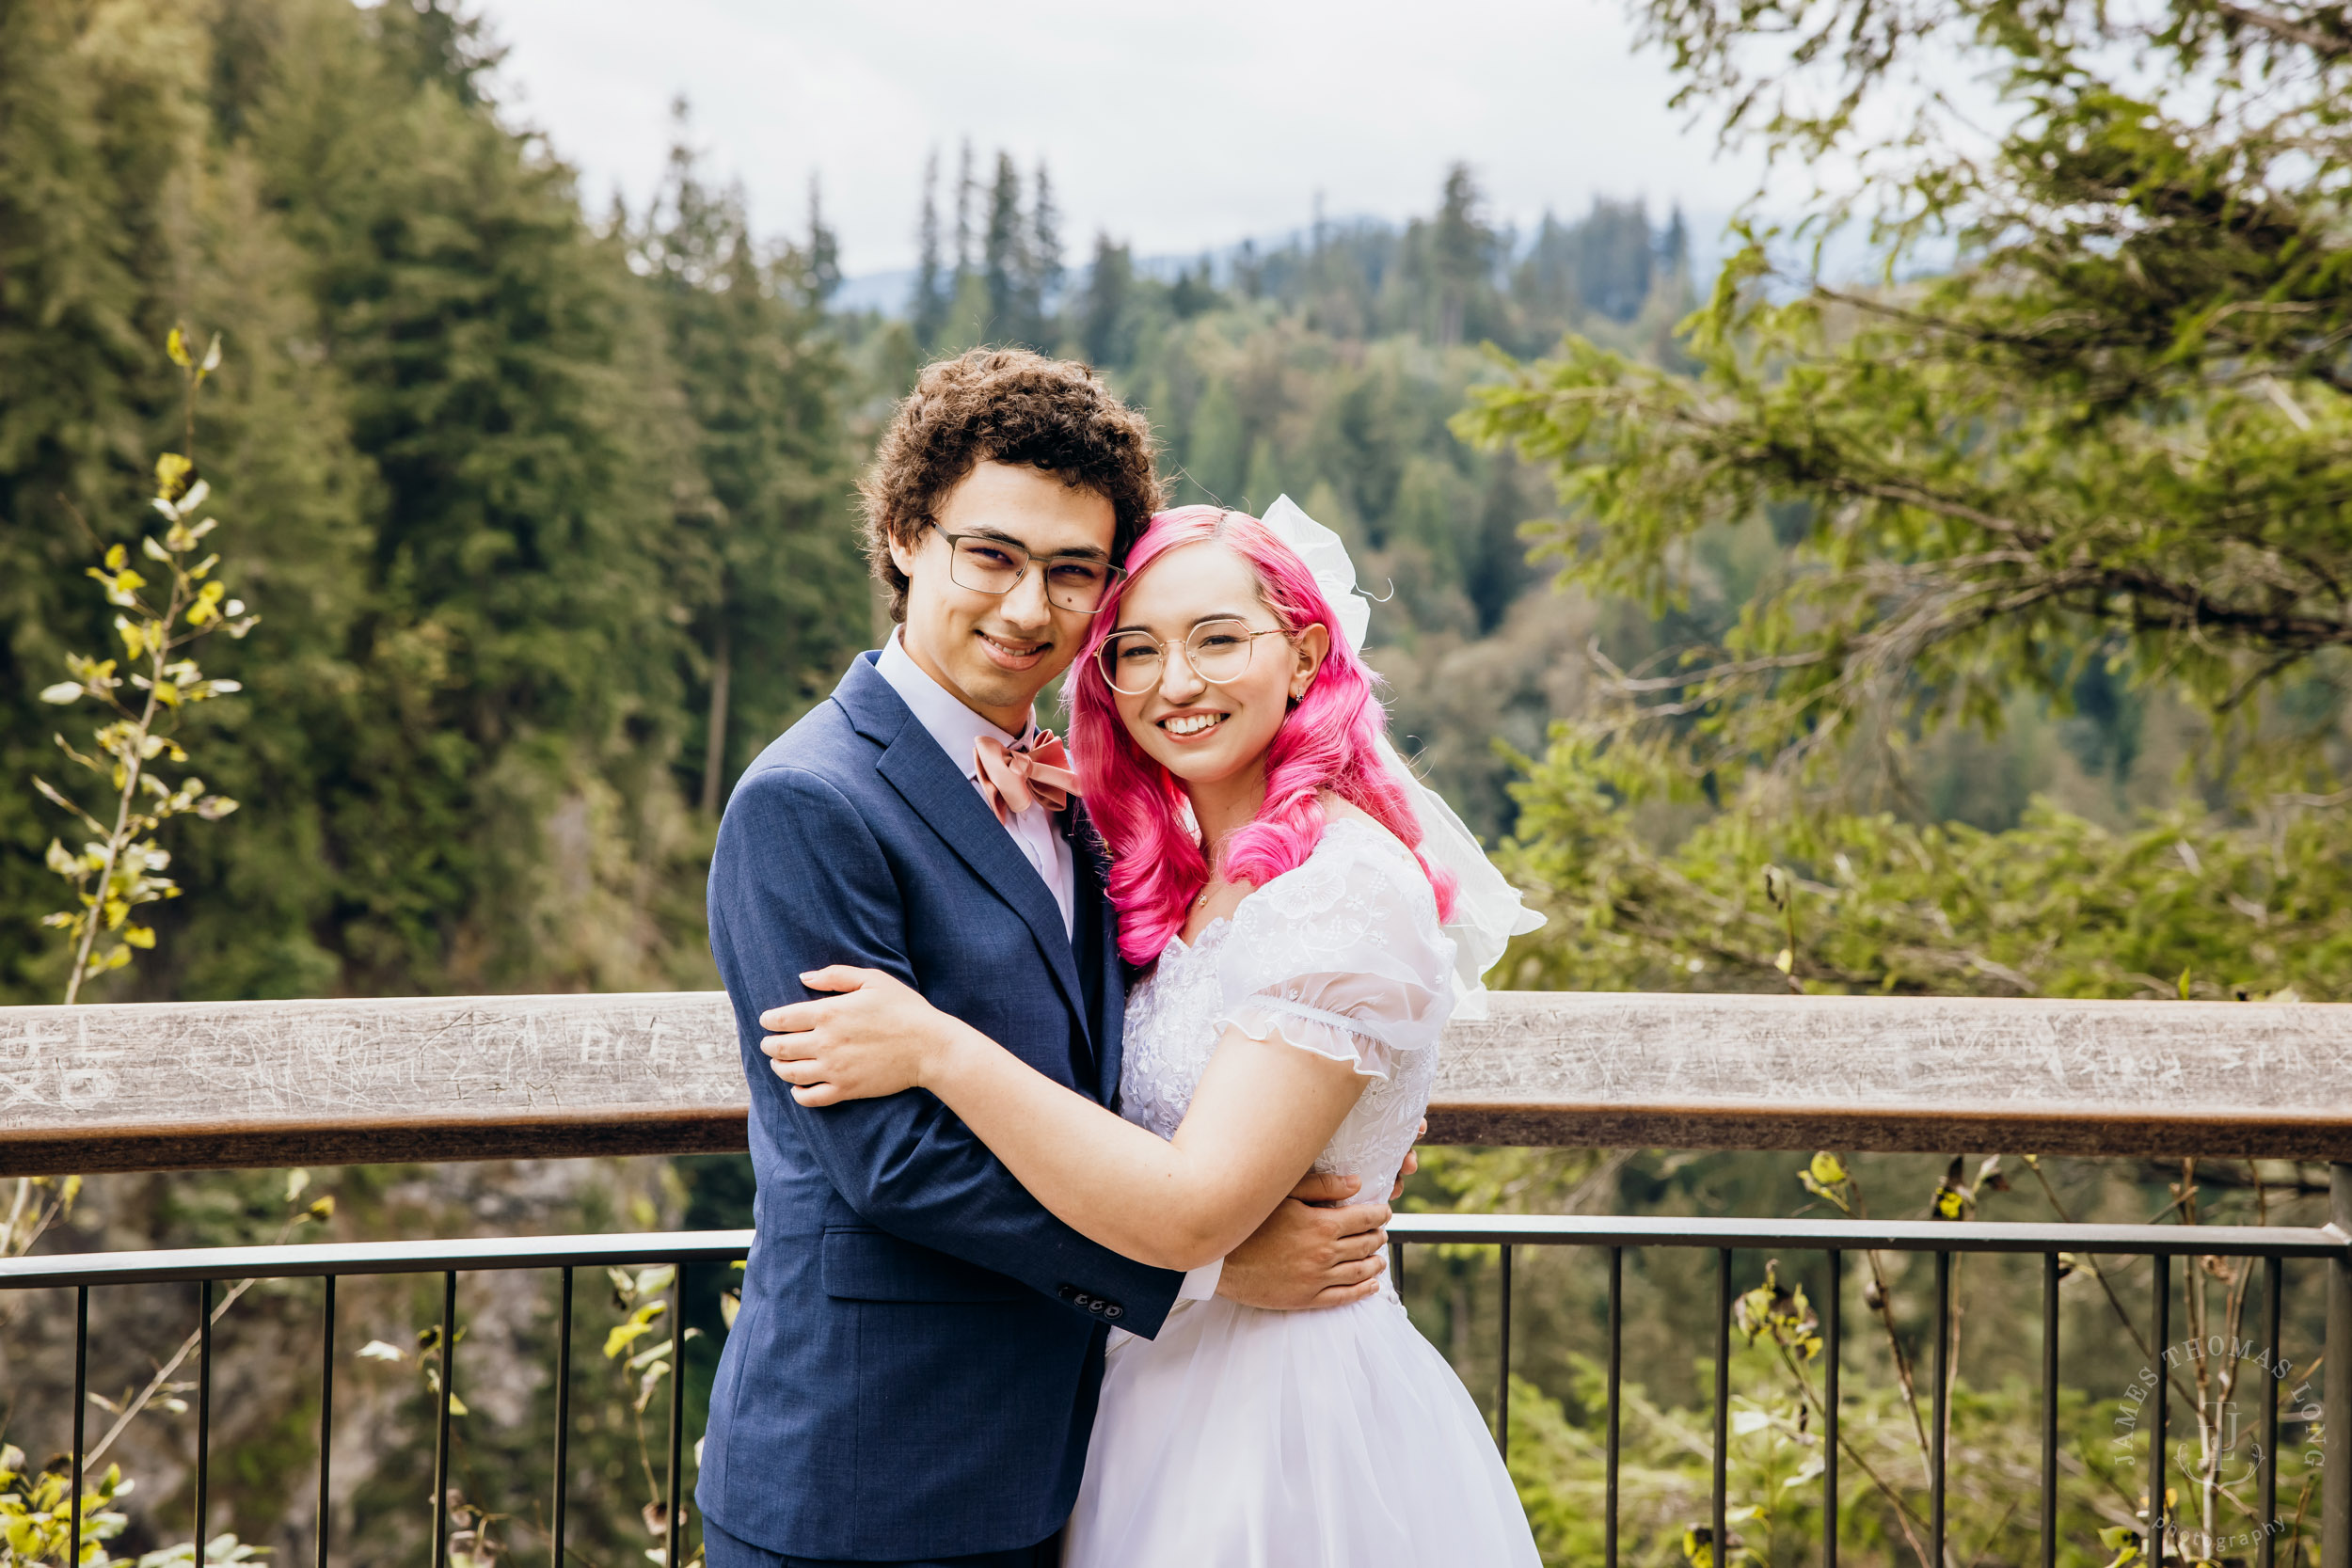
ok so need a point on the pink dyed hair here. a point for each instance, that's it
(1330, 740)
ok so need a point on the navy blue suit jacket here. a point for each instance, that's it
(914, 1369)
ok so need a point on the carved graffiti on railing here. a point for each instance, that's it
(189, 1084)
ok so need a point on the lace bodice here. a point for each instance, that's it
(1341, 956)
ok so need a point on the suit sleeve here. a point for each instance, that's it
(798, 881)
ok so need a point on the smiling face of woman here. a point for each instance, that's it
(1209, 733)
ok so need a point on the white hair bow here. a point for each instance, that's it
(1487, 911)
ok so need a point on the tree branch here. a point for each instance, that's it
(2333, 46)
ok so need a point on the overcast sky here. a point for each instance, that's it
(1176, 127)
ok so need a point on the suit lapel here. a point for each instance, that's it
(939, 792)
(1096, 917)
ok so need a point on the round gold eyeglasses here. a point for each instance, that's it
(1216, 651)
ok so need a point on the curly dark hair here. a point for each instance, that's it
(1004, 406)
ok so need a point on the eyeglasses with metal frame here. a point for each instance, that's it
(1216, 651)
(986, 563)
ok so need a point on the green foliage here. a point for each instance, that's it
(36, 1517)
(1775, 1460)
(763, 547)
(2059, 906)
(2117, 430)
(642, 1297)
(121, 866)
(520, 498)
(2102, 458)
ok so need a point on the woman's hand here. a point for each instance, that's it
(877, 1037)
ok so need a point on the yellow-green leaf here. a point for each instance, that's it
(171, 474)
(1827, 1169)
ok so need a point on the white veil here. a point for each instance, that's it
(1487, 911)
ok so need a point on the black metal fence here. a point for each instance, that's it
(2276, 1245)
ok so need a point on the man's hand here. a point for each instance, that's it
(1304, 1256)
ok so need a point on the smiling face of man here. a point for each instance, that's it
(997, 651)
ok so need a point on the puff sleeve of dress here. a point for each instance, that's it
(1342, 956)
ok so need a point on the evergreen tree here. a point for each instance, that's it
(1673, 249)
(771, 568)
(503, 496)
(927, 312)
(1004, 263)
(1106, 323)
(2117, 432)
(823, 256)
(1543, 285)
(1462, 256)
(1045, 263)
(1615, 258)
(965, 195)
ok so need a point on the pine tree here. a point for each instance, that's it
(1615, 256)
(965, 197)
(928, 311)
(1005, 263)
(1463, 251)
(823, 255)
(1045, 263)
(510, 501)
(1105, 326)
(770, 571)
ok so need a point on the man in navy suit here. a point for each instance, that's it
(913, 1376)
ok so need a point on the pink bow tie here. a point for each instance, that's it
(1015, 777)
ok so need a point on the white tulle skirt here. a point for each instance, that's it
(1249, 1439)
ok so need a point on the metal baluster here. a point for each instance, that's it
(1502, 1381)
(440, 1444)
(1616, 1347)
(678, 1410)
(2335, 1481)
(2273, 1278)
(326, 1414)
(1836, 1349)
(2049, 1408)
(562, 1415)
(81, 1405)
(2161, 1266)
(1940, 1406)
(1396, 1267)
(203, 1411)
(1722, 1400)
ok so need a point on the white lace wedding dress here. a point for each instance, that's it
(1246, 1439)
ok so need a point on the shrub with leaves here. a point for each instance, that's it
(643, 1299)
(1777, 1423)
(37, 1513)
(120, 866)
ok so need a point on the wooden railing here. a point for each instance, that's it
(194, 1086)
(185, 1085)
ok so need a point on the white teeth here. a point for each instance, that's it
(1191, 723)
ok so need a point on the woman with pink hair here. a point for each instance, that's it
(1266, 859)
